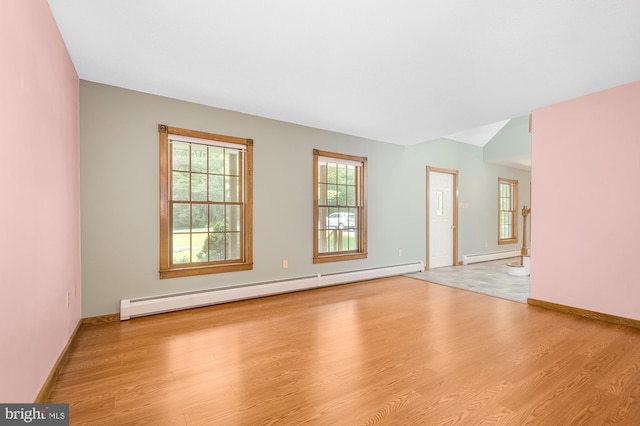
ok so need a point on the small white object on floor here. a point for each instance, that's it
(520, 270)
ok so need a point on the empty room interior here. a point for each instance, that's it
(263, 212)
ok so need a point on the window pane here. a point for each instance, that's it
(351, 175)
(332, 195)
(351, 242)
(216, 246)
(233, 245)
(181, 217)
(345, 218)
(199, 247)
(180, 186)
(216, 188)
(332, 175)
(181, 248)
(232, 194)
(342, 195)
(232, 159)
(326, 241)
(216, 218)
(338, 240)
(233, 218)
(216, 160)
(199, 217)
(322, 172)
(323, 218)
(351, 195)
(353, 218)
(506, 190)
(198, 158)
(342, 174)
(333, 221)
(198, 187)
(504, 217)
(322, 240)
(505, 225)
(180, 156)
(322, 194)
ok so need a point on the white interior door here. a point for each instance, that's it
(441, 222)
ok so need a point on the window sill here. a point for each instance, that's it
(339, 257)
(510, 241)
(204, 270)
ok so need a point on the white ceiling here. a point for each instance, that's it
(399, 71)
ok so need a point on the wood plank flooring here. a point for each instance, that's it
(394, 351)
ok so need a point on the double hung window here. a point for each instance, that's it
(340, 215)
(507, 211)
(205, 203)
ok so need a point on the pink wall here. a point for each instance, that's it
(585, 204)
(40, 214)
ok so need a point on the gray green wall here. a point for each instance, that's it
(512, 141)
(120, 195)
(477, 192)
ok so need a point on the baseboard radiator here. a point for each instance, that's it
(475, 258)
(130, 308)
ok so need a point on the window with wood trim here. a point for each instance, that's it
(507, 211)
(340, 207)
(206, 208)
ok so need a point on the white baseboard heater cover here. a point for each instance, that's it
(483, 257)
(142, 306)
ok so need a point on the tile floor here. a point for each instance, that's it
(489, 278)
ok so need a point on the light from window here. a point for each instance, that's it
(340, 207)
(507, 214)
(206, 207)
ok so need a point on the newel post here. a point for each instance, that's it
(525, 212)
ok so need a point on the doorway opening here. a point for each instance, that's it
(442, 217)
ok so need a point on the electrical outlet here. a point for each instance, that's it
(399, 252)
(68, 299)
(285, 264)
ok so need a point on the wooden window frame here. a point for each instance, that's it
(361, 197)
(169, 270)
(514, 211)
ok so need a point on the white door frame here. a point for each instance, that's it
(455, 211)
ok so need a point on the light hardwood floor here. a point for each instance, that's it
(394, 351)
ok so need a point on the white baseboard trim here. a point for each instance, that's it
(484, 257)
(130, 308)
